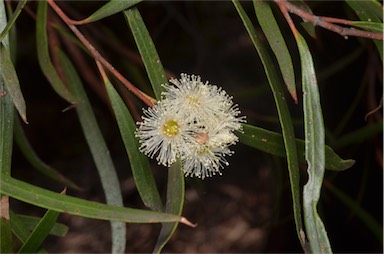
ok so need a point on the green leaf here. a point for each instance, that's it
(272, 142)
(276, 40)
(175, 201)
(12, 20)
(99, 150)
(284, 116)
(28, 152)
(43, 54)
(53, 201)
(11, 81)
(370, 26)
(370, 11)
(6, 143)
(314, 151)
(110, 8)
(141, 170)
(22, 225)
(147, 50)
(40, 232)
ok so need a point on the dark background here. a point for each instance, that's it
(249, 207)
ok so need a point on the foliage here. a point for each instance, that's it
(72, 55)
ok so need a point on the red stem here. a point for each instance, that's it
(96, 55)
(325, 22)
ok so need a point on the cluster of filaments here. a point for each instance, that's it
(193, 121)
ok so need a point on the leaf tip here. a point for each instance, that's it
(294, 96)
(187, 222)
(24, 118)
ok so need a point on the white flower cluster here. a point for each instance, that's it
(194, 121)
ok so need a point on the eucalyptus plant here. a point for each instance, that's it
(189, 125)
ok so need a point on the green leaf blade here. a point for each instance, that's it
(110, 8)
(370, 26)
(369, 11)
(99, 150)
(22, 225)
(147, 50)
(141, 170)
(66, 204)
(40, 232)
(175, 201)
(273, 143)
(314, 152)
(12, 20)
(8, 72)
(276, 40)
(284, 116)
(43, 54)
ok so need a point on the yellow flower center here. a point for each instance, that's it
(170, 128)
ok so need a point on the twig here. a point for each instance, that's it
(96, 55)
(325, 22)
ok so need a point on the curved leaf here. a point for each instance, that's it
(276, 40)
(175, 201)
(39, 233)
(371, 11)
(12, 20)
(28, 223)
(43, 54)
(53, 201)
(272, 142)
(99, 150)
(314, 151)
(141, 170)
(110, 8)
(11, 81)
(147, 50)
(6, 143)
(284, 116)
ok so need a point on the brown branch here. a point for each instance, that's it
(325, 22)
(96, 55)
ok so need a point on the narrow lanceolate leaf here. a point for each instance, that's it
(369, 11)
(22, 225)
(141, 170)
(53, 201)
(273, 143)
(11, 81)
(175, 201)
(276, 40)
(6, 131)
(12, 20)
(370, 26)
(147, 50)
(40, 232)
(43, 54)
(28, 152)
(284, 116)
(108, 9)
(314, 151)
(99, 150)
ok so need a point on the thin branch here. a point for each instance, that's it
(96, 55)
(325, 22)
